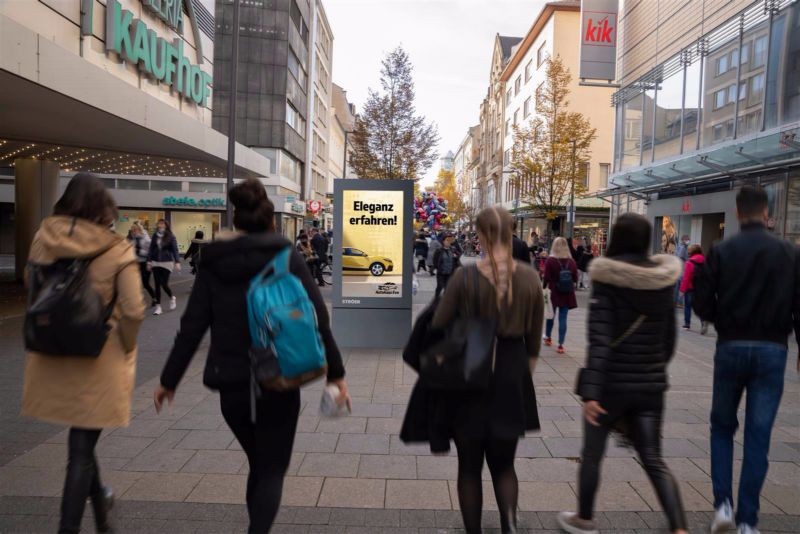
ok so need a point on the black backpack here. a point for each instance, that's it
(66, 316)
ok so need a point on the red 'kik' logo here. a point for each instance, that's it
(599, 31)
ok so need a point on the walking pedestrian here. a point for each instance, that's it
(487, 424)
(140, 240)
(320, 245)
(162, 260)
(520, 250)
(421, 251)
(749, 288)
(445, 261)
(632, 335)
(694, 263)
(585, 260)
(682, 253)
(219, 301)
(311, 258)
(560, 276)
(193, 252)
(87, 393)
(433, 246)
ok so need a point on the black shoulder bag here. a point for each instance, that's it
(463, 360)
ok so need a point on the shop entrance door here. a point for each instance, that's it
(713, 230)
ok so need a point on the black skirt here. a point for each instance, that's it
(506, 410)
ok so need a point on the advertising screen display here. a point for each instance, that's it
(372, 243)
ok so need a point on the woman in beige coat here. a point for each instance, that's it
(85, 393)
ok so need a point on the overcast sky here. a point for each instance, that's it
(450, 44)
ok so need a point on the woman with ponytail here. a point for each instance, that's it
(488, 424)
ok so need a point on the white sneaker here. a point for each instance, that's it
(173, 303)
(747, 529)
(723, 518)
(157, 311)
(570, 522)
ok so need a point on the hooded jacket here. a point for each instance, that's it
(694, 264)
(219, 302)
(81, 391)
(631, 326)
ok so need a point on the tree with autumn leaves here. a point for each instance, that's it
(548, 152)
(390, 140)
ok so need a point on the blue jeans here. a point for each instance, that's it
(759, 367)
(562, 325)
(688, 297)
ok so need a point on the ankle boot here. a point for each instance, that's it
(102, 503)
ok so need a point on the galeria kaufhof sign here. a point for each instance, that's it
(160, 59)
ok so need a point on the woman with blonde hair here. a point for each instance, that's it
(560, 276)
(488, 424)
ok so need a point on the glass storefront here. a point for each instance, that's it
(147, 218)
(729, 85)
(186, 223)
(793, 208)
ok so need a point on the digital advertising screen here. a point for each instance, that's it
(372, 243)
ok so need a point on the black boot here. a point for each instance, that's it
(102, 503)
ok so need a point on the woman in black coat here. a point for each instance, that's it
(219, 302)
(632, 329)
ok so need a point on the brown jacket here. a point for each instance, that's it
(82, 391)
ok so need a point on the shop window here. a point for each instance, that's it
(185, 224)
(126, 218)
(165, 185)
(668, 116)
(793, 209)
(206, 187)
(132, 184)
(110, 183)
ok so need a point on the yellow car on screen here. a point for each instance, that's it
(356, 261)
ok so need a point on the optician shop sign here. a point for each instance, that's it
(194, 203)
(164, 61)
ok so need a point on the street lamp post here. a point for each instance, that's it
(232, 111)
(571, 213)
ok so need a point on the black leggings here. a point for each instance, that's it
(146, 279)
(267, 444)
(82, 481)
(161, 277)
(499, 456)
(643, 418)
(421, 264)
(441, 283)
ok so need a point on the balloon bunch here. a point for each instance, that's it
(430, 209)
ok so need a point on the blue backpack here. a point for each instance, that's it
(565, 282)
(286, 347)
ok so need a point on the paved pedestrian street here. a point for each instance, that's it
(182, 471)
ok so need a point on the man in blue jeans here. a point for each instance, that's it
(750, 289)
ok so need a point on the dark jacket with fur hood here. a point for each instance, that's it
(631, 326)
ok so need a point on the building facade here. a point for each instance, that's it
(80, 92)
(710, 100)
(465, 166)
(556, 33)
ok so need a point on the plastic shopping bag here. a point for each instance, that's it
(549, 312)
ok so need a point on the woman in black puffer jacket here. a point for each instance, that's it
(632, 329)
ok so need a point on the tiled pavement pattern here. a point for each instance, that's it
(182, 471)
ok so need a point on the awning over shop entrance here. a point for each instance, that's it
(763, 151)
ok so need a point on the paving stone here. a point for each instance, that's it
(312, 516)
(692, 499)
(312, 442)
(382, 466)
(143, 428)
(543, 496)
(216, 462)
(417, 518)
(437, 467)
(397, 447)
(342, 425)
(372, 410)
(31, 481)
(329, 465)
(787, 501)
(52, 456)
(382, 518)
(353, 493)
(206, 439)
(418, 494)
(384, 425)
(547, 469)
(225, 489)
(163, 487)
(363, 444)
(301, 491)
(167, 461)
(681, 448)
(347, 516)
(198, 422)
(624, 520)
(121, 446)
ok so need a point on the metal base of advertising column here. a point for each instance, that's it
(372, 260)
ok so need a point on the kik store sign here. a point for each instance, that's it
(160, 59)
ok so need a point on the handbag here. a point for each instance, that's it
(549, 312)
(463, 359)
